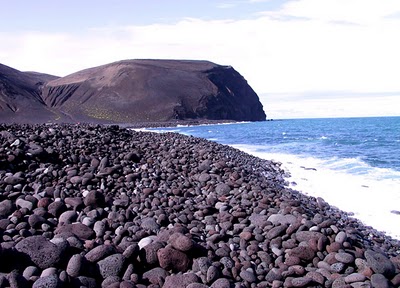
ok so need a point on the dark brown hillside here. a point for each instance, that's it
(130, 91)
(155, 90)
(20, 96)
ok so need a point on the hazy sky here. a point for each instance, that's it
(304, 58)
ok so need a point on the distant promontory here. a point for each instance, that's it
(130, 91)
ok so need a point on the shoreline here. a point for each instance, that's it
(170, 203)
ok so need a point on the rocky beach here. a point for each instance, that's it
(104, 206)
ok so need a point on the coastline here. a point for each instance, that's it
(230, 207)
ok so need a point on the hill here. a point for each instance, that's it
(130, 91)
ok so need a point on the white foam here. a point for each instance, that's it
(349, 184)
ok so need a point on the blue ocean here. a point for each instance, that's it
(353, 163)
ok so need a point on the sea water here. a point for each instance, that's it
(352, 163)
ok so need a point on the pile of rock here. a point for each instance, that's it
(93, 206)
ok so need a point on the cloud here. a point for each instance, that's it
(351, 11)
(305, 46)
(322, 107)
(226, 5)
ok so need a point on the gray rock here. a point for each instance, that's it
(221, 283)
(379, 263)
(74, 265)
(80, 230)
(379, 281)
(280, 219)
(51, 281)
(222, 189)
(40, 251)
(301, 281)
(150, 224)
(355, 277)
(344, 257)
(30, 271)
(212, 274)
(21, 203)
(341, 237)
(155, 275)
(6, 208)
(100, 252)
(67, 217)
(111, 265)
(248, 276)
(180, 280)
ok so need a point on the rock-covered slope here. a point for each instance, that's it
(95, 206)
(135, 91)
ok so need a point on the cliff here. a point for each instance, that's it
(131, 91)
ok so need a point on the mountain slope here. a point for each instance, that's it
(20, 96)
(134, 91)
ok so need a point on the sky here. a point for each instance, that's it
(304, 58)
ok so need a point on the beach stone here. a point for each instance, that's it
(305, 236)
(99, 252)
(180, 280)
(212, 274)
(21, 203)
(155, 275)
(30, 271)
(248, 276)
(280, 219)
(337, 267)
(80, 230)
(344, 257)
(76, 180)
(40, 251)
(341, 237)
(246, 235)
(197, 285)
(86, 281)
(204, 177)
(148, 254)
(222, 189)
(316, 277)
(276, 231)
(171, 259)
(99, 228)
(379, 281)
(67, 217)
(150, 224)
(111, 282)
(94, 199)
(74, 265)
(304, 253)
(111, 265)
(35, 221)
(379, 263)
(6, 208)
(181, 242)
(258, 220)
(340, 283)
(51, 281)
(301, 281)
(12, 180)
(15, 279)
(221, 283)
(48, 272)
(355, 277)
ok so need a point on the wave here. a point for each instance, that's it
(370, 193)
